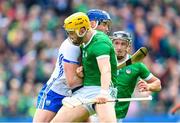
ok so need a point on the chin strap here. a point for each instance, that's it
(97, 23)
(82, 35)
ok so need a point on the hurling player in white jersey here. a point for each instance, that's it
(62, 80)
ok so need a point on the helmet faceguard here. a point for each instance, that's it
(122, 35)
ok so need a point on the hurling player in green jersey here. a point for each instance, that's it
(100, 69)
(128, 76)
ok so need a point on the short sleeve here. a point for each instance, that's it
(144, 72)
(71, 53)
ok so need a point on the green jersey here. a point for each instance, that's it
(126, 82)
(99, 46)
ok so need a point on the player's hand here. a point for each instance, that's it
(79, 72)
(143, 86)
(102, 97)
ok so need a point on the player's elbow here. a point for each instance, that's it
(74, 82)
(70, 84)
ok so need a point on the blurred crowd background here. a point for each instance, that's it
(31, 32)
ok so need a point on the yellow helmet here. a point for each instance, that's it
(77, 21)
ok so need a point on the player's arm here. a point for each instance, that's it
(105, 70)
(71, 63)
(103, 61)
(153, 84)
(149, 82)
(70, 73)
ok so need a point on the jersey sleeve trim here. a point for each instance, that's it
(102, 56)
(149, 77)
(72, 62)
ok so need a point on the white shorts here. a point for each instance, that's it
(90, 92)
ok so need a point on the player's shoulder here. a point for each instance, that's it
(100, 34)
(101, 37)
(67, 44)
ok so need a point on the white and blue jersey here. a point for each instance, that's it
(56, 88)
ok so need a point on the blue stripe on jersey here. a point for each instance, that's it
(68, 61)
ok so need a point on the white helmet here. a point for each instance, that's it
(122, 35)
